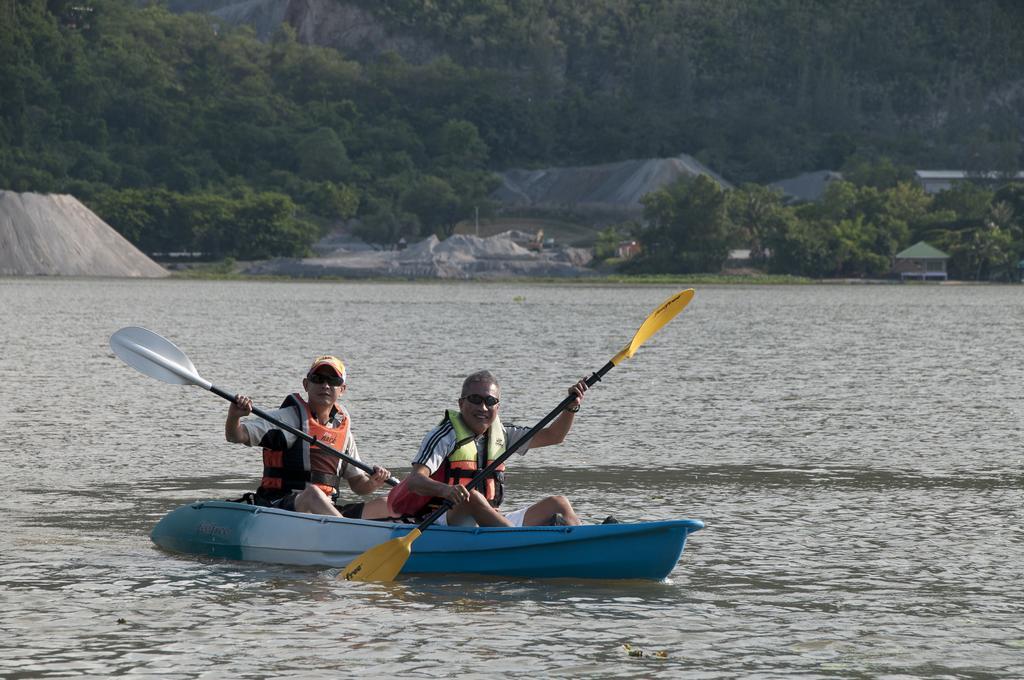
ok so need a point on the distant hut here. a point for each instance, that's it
(627, 250)
(921, 261)
(738, 258)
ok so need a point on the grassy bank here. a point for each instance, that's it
(230, 270)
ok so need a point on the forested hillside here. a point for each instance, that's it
(757, 90)
(189, 134)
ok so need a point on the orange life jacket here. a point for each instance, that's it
(287, 469)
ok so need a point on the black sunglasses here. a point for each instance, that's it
(320, 379)
(478, 399)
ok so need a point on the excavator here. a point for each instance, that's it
(537, 244)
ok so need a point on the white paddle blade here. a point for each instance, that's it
(155, 356)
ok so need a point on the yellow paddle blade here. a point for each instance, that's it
(653, 323)
(381, 562)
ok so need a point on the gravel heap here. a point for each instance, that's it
(55, 235)
(610, 187)
(458, 257)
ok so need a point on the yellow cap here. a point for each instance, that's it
(334, 363)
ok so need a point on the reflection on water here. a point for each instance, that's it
(854, 451)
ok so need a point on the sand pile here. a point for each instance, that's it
(458, 257)
(55, 235)
(611, 187)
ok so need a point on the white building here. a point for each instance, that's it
(934, 181)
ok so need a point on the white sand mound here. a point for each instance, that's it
(55, 235)
(458, 257)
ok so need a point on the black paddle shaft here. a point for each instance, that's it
(482, 474)
(302, 435)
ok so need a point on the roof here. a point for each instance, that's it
(809, 186)
(922, 251)
(611, 186)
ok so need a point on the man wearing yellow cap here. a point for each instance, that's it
(297, 475)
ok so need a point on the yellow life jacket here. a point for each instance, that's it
(464, 461)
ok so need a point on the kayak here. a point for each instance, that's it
(237, 531)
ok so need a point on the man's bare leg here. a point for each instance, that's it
(542, 512)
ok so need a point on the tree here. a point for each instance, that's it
(432, 200)
(607, 243)
(969, 201)
(801, 247)
(388, 226)
(265, 226)
(853, 249)
(984, 251)
(757, 212)
(321, 156)
(689, 227)
(457, 144)
(336, 201)
(882, 173)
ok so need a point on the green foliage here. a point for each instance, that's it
(968, 201)
(856, 230)
(250, 226)
(881, 173)
(607, 244)
(140, 99)
(322, 156)
(763, 89)
(337, 201)
(803, 247)
(457, 144)
(435, 203)
(191, 135)
(757, 213)
(983, 231)
(389, 226)
(689, 230)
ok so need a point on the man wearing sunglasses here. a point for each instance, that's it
(463, 443)
(299, 476)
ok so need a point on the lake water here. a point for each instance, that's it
(854, 450)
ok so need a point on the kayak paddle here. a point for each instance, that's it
(384, 561)
(159, 358)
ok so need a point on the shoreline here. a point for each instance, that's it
(218, 273)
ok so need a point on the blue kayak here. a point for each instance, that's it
(236, 531)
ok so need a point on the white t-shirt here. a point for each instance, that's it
(440, 442)
(257, 427)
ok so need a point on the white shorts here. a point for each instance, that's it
(516, 517)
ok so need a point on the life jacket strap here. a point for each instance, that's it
(459, 474)
(276, 478)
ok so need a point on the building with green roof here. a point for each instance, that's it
(921, 261)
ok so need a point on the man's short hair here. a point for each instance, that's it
(482, 377)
